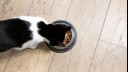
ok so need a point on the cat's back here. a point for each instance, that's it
(36, 37)
(13, 33)
(14, 28)
(21, 32)
(34, 26)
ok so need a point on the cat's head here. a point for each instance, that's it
(54, 33)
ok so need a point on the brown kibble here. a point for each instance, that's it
(68, 37)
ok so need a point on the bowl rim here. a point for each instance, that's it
(74, 39)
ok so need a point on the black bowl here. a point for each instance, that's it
(71, 44)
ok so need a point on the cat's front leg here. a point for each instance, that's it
(34, 46)
(27, 47)
(19, 48)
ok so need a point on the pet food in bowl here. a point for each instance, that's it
(68, 37)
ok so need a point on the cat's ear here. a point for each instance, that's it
(64, 27)
(42, 24)
(68, 28)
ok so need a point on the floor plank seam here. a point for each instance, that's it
(51, 10)
(30, 7)
(122, 35)
(51, 62)
(113, 44)
(8, 61)
(2, 17)
(117, 22)
(16, 8)
(36, 61)
(69, 9)
(100, 35)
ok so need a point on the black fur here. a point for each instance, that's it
(13, 33)
(54, 33)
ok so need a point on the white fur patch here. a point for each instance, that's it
(36, 37)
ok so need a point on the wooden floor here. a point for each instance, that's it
(102, 36)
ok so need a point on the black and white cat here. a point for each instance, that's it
(27, 32)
